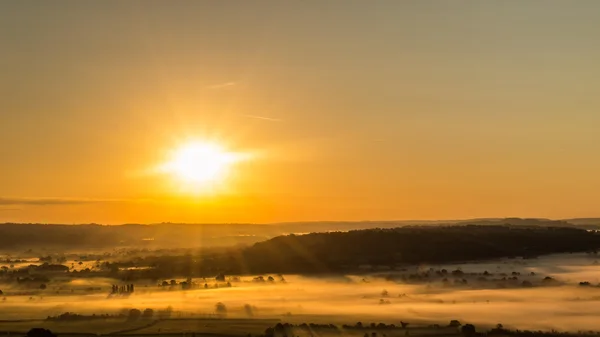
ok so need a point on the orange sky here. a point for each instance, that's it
(350, 110)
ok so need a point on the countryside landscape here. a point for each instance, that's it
(299, 168)
(427, 279)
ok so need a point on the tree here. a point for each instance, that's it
(43, 286)
(359, 325)
(148, 313)
(221, 309)
(548, 279)
(40, 332)
(134, 314)
(454, 323)
(468, 330)
(249, 310)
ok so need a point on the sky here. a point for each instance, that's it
(348, 110)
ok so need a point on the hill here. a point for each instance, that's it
(169, 235)
(347, 251)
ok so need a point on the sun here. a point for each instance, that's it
(200, 163)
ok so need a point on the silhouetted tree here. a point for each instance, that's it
(134, 314)
(454, 323)
(221, 309)
(148, 313)
(468, 330)
(248, 310)
(40, 332)
(43, 286)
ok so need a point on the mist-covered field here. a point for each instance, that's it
(561, 305)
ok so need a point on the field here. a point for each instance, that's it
(387, 296)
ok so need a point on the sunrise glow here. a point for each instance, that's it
(200, 164)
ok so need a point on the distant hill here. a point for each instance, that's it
(413, 245)
(168, 235)
(589, 223)
(337, 252)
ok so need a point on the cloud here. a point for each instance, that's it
(263, 118)
(9, 209)
(38, 201)
(222, 85)
(4, 201)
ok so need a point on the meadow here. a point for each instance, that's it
(387, 297)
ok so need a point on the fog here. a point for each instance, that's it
(348, 299)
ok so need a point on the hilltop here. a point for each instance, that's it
(168, 235)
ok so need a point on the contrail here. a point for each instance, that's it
(263, 118)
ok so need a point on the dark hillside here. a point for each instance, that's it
(412, 245)
(347, 251)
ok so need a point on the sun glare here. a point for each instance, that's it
(200, 163)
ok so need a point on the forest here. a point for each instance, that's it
(336, 252)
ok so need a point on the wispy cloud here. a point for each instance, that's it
(9, 209)
(8, 201)
(45, 201)
(270, 119)
(222, 85)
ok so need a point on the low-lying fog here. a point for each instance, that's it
(346, 300)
